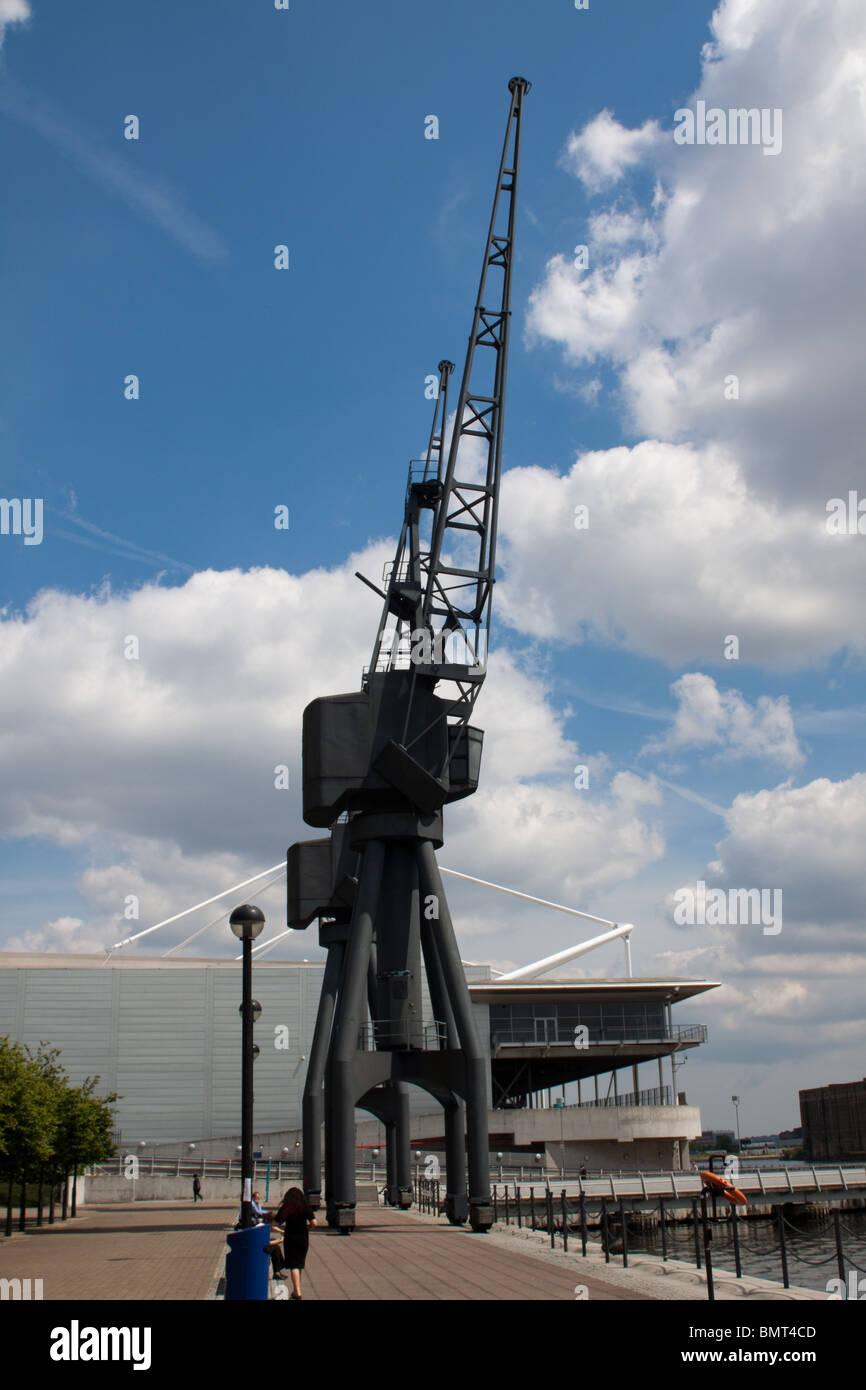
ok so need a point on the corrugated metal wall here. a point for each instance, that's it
(168, 1040)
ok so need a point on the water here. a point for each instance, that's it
(807, 1239)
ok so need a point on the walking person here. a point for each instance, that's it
(196, 1190)
(296, 1216)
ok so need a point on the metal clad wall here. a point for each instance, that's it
(168, 1040)
(69, 1009)
(162, 1024)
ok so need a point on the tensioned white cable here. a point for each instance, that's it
(196, 934)
(128, 940)
(543, 902)
(201, 931)
(266, 945)
(281, 867)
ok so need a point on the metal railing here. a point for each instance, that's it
(560, 1216)
(385, 1034)
(563, 1034)
(659, 1095)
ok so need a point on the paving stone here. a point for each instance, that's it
(173, 1250)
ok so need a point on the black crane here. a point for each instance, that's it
(379, 765)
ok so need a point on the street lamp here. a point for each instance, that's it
(247, 922)
(560, 1106)
(736, 1104)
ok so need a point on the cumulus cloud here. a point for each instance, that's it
(144, 731)
(12, 12)
(802, 848)
(676, 555)
(601, 152)
(807, 841)
(707, 717)
(730, 310)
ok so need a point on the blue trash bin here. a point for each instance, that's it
(247, 1265)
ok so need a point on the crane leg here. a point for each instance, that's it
(399, 1187)
(349, 1016)
(480, 1209)
(456, 1199)
(312, 1105)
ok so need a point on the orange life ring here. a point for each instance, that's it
(727, 1189)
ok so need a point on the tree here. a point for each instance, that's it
(47, 1123)
(28, 1117)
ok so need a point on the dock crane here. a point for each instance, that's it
(379, 765)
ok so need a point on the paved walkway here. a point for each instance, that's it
(141, 1250)
(172, 1250)
(395, 1255)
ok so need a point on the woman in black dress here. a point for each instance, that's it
(295, 1215)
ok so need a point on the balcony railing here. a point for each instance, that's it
(660, 1095)
(560, 1033)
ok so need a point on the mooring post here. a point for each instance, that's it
(782, 1248)
(711, 1291)
(840, 1257)
(662, 1225)
(697, 1233)
(624, 1233)
(738, 1263)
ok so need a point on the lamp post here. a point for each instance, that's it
(736, 1104)
(247, 922)
(560, 1106)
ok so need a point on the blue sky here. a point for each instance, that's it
(305, 387)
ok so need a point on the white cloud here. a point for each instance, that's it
(808, 841)
(161, 769)
(676, 557)
(604, 149)
(739, 266)
(707, 717)
(13, 12)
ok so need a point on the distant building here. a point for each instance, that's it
(790, 1137)
(834, 1121)
(714, 1138)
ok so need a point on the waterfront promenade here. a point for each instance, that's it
(171, 1250)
